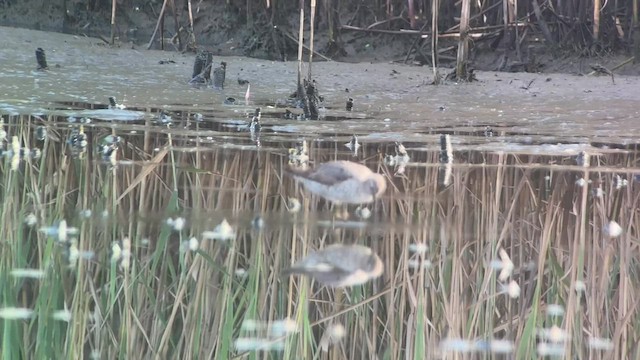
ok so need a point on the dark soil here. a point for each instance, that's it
(228, 30)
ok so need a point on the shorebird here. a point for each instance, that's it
(339, 265)
(349, 104)
(343, 182)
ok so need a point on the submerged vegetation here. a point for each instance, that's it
(173, 248)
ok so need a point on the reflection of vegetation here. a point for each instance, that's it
(172, 301)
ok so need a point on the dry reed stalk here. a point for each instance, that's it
(191, 30)
(596, 20)
(435, 9)
(503, 202)
(311, 33)
(113, 22)
(412, 13)
(160, 20)
(542, 23)
(300, 43)
(463, 43)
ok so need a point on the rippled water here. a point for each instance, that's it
(515, 184)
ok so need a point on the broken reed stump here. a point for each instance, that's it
(219, 74)
(41, 58)
(308, 99)
(202, 68)
(470, 76)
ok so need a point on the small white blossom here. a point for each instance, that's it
(222, 232)
(419, 264)
(193, 244)
(555, 310)
(601, 344)
(506, 265)
(512, 289)
(363, 212)
(241, 273)
(550, 349)
(554, 334)
(612, 229)
(27, 273)
(31, 220)
(116, 252)
(15, 313)
(254, 344)
(418, 248)
(283, 327)
(177, 224)
(293, 205)
(62, 315)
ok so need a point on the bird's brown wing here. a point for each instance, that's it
(347, 258)
(328, 173)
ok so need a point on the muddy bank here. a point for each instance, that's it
(228, 29)
(394, 101)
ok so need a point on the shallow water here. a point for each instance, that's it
(515, 184)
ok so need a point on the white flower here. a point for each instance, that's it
(418, 248)
(254, 344)
(294, 205)
(554, 334)
(457, 345)
(62, 315)
(612, 229)
(501, 346)
(27, 273)
(126, 253)
(222, 232)
(240, 272)
(505, 265)
(600, 344)
(116, 252)
(62, 230)
(193, 244)
(31, 220)
(419, 264)
(332, 334)
(283, 327)
(555, 310)
(177, 224)
(512, 289)
(550, 349)
(15, 313)
(363, 212)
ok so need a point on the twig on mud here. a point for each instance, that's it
(304, 46)
(103, 39)
(623, 63)
(528, 85)
(386, 21)
(394, 32)
(601, 70)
